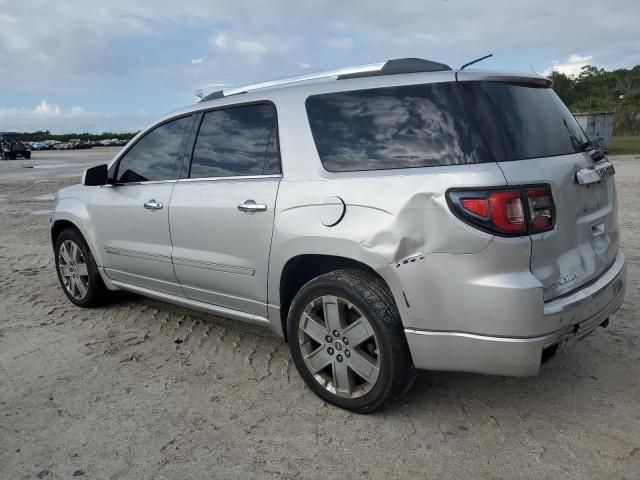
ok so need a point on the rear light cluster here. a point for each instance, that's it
(506, 212)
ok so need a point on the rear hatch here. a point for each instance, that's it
(584, 242)
(536, 140)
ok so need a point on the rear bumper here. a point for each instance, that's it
(581, 312)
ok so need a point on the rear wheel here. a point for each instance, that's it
(347, 341)
(77, 270)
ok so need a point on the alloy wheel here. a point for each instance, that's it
(339, 346)
(73, 269)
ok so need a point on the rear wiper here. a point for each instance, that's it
(595, 150)
(584, 146)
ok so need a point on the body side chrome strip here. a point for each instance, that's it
(137, 254)
(218, 267)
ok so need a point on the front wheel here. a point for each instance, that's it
(77, 270)
(347, 341)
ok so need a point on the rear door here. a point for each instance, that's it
(222, 215)
(536, 140)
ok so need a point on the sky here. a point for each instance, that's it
(116, 65)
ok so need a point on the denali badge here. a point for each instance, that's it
(562, 281)
(592, 175)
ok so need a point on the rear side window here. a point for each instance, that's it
(153, 157)
(236, 141)
(439, 124)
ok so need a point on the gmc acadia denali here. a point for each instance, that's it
(382, 219)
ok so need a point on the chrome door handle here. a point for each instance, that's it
(153, 205)
(249, 206)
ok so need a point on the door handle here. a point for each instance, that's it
(249, 206)
(153, 205)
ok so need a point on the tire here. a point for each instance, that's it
(28, 156)
(77, 270)
(363, 376)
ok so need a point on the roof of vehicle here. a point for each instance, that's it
(400, 66)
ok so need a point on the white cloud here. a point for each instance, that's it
(246, 46)
(236, 46)
(219, 40)
(47, 109)
(572, 67)
(304, 65)
(343, 43)
(197, 61)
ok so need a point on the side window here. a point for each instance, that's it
(153, 157)
(236, 141)
(395, 127)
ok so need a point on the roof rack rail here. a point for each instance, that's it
(390, 67)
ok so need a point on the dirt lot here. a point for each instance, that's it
(139, 389)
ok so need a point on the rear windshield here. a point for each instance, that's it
(440, 124)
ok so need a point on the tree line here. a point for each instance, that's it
(596, 89)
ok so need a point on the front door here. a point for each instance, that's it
(132, 216)
(222, 216)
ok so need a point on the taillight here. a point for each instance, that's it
(540, 209)
(507, 212)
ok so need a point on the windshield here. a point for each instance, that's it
(439, 124)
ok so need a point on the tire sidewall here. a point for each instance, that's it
(378, 395)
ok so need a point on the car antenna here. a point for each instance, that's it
(472, 62)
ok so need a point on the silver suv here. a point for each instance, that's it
(381, 218)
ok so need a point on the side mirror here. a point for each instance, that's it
(96, 176)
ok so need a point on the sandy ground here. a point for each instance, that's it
(140, 389)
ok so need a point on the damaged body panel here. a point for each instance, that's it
(390, 217)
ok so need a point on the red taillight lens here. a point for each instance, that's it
(540, 209)
(516, 211)
(477, 206)
(507, 212)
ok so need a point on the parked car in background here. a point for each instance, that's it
(11, 148)
(382, 218)
(62, 146)
(77, 144)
